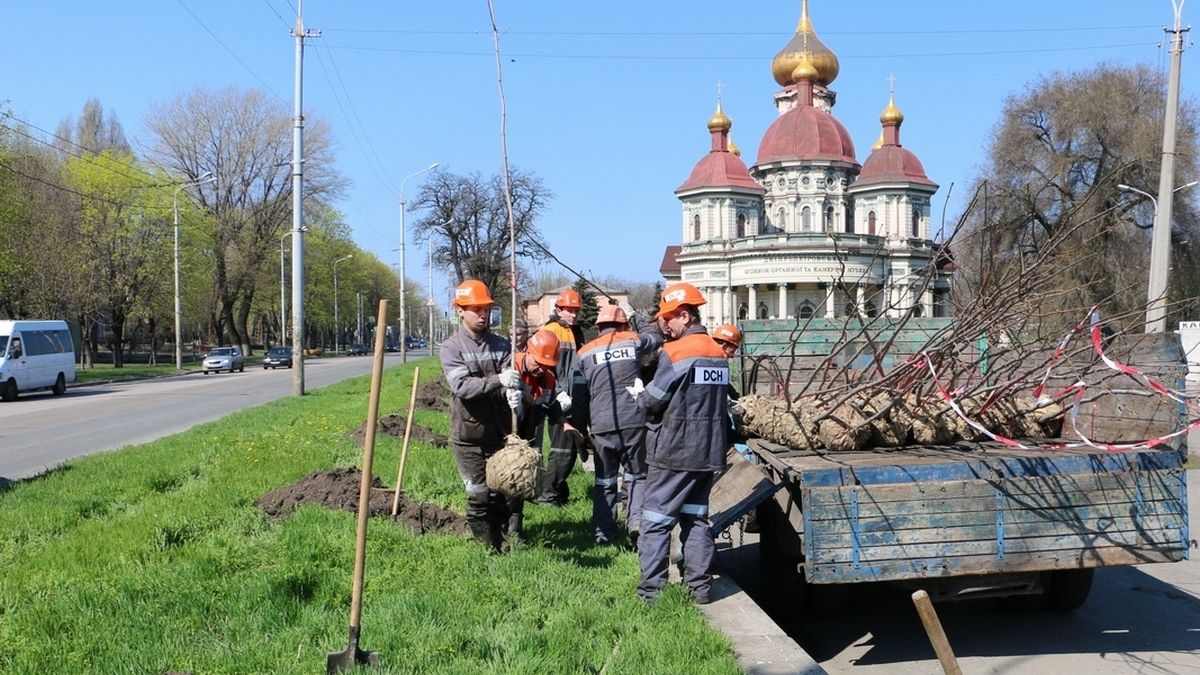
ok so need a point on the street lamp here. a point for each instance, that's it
(403, 318)
(1156, 288)
(206, 177)
(337, 325)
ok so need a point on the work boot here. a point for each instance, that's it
(516, 530)
(481, 531)
(496, 536)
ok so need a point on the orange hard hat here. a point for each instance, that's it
(568, 299)
(611, 314)
(543, 347)
(678, 294)
(472, 293)
(729, 333)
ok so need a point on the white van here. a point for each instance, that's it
(35, 355)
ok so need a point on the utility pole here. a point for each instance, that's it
(431, 303)
(1160, 246)
(403, 314)
(299, 33)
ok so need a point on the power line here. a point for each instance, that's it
(228, 50)
(276, 12)
(73, 191)
(86, 158)
(947, 31)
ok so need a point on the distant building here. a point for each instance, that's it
(537, 310)
(807, 231)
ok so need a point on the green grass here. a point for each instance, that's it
(104, 372)
(154, 559)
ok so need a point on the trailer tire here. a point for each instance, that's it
(8, 392)
(1067, 590)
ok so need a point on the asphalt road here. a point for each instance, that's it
(38, 431)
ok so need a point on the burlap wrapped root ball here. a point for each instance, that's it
(845, 429)
(1046, 414)
(930, 422)
(771, 420)
(886, 431)
(515, 470)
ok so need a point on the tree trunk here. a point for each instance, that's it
(153, 341)
(118, 339)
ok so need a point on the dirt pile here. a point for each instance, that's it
(393, 425)
(338, 489)
(434, 395)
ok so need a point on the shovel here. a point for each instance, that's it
(412, 403)
(352, 655)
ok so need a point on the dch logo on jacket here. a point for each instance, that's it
(610, 363)
(687, 405)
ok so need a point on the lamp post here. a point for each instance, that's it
(1156, 288)
(431, 303)
(337, 325)
(403, 317)
(206, 177)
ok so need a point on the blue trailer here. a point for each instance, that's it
(969, 520)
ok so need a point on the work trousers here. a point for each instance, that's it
(676, 497)
(612, 452)
(487, 510)
(563, 448)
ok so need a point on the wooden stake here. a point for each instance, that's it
(937, 637)
(412, 403)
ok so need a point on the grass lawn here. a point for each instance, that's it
(155, 559)
(104, 372)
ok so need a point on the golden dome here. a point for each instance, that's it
(805, 70)
(732, 147)
(719, 121)
(824, 60)
(891, 115)
(879, 143)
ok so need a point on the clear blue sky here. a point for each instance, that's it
(607, 101)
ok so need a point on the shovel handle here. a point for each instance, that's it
(412, 403)
(364, 486)
(937, 636)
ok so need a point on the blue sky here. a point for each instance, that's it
(607, 101)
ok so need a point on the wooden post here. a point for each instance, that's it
(937, 637)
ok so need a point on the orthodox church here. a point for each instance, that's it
(807, 231)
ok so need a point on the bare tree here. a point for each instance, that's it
(244, 138)
(467, 218)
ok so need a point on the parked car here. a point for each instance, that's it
(224, 358)
(277, 357)
(391, 346)
(357, 349)
(414, 342)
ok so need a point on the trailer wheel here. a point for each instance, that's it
(1068, 589)
(60, 385)
(9, 391)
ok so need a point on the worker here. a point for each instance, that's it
(686, 407)
(472, 359)
(566, 439)
(530, 387)
(610, 364)
(728, 337)
(520, 334)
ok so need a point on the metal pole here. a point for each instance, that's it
(205, 177)
(337, 324)
(298, 206)
(431, 303)
(282, 294)
(403, 313)
(1160, 248)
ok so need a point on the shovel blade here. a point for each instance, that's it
(352, 656)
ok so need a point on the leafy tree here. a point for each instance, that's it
(1047, 204)
(245, 139)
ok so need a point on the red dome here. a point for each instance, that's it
(893, 164)
(806, 133)
(720, 169)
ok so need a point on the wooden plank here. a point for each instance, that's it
(1073, 544)
(1139, 486)
(935, 508)
(1097, 515)
(1151, 526)
(739, 489)
(895, 570)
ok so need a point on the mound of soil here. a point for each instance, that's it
(338, 489)
(393, 425)
(434, 395)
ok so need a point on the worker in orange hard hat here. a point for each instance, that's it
(530, 389)
(729, 337)
(566, 439)
(472, 360)
(686, 409)
(611, 365)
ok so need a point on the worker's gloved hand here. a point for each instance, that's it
(510, 379)
(514, 398)
(636, 388)
(564, 401)
(736, 409)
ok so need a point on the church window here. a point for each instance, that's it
(781, 225)
(870, 222)
(829, 221)
(763, 312)
(806, 219)
(743, 311)
(916, 223)
(918, 310)
(872, 311)
(741, 225)
(696, 228)
(805, 310)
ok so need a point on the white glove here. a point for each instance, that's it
(510, 379)
(636, 388)
(564, 401)
(514, 398)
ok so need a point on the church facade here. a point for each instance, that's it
(807, 231)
